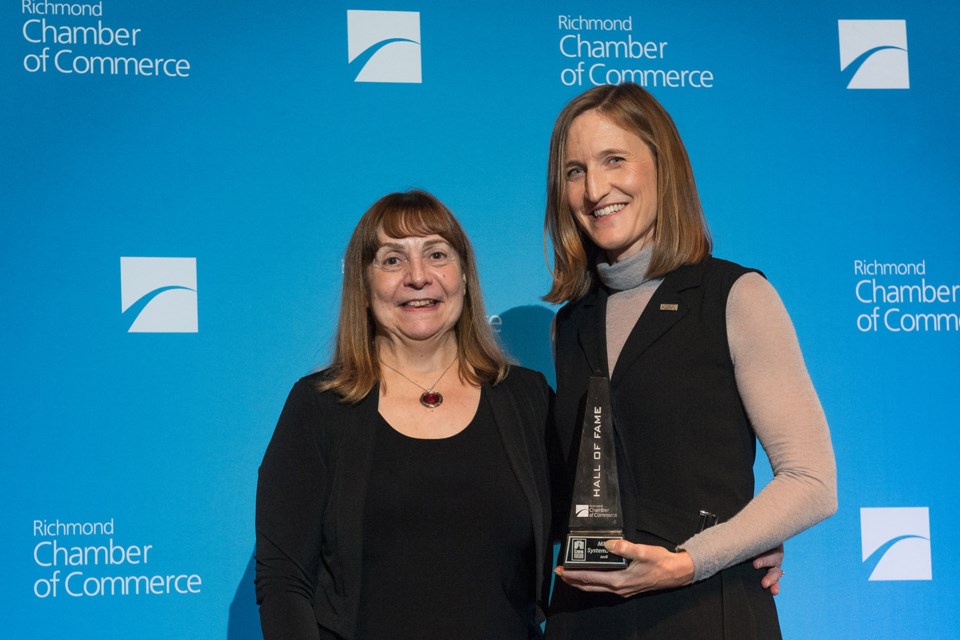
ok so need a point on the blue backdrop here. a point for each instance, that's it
(179, 181)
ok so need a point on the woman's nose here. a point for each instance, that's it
(417, 274)
(595, 186)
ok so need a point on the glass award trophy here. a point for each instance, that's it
(595, 513)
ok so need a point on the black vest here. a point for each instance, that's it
(684, 445)
(684, 441)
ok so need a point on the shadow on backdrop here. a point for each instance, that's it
(525, 335)
(244, 621)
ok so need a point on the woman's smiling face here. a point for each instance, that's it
(416, 287)
(611, 184)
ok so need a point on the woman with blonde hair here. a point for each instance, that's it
(702, 360)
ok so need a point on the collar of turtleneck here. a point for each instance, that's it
(626, 274)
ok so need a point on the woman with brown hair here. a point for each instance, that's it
(404, 493)
(702, 360)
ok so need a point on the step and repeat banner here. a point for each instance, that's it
(179, 181)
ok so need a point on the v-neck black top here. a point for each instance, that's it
(448, 538)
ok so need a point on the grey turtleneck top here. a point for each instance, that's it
(779, 399)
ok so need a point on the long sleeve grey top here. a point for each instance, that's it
(781, 404)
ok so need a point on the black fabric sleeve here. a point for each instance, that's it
(559, 486)
(290, 506)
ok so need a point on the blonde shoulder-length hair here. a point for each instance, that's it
(355, 368)
(680, 236)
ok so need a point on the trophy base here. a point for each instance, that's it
(585, 550)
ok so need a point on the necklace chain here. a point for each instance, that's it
(429, 398)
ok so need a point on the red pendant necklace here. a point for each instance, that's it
(429, 398)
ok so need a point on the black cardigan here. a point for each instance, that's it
(311, 496)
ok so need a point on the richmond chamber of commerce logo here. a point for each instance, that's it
(873, 54)
(896, 543)
(159, 295)
(384, 46)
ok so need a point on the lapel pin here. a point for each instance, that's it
(669, 307)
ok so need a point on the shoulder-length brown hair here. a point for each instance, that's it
(681, 235)
(355, 368)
